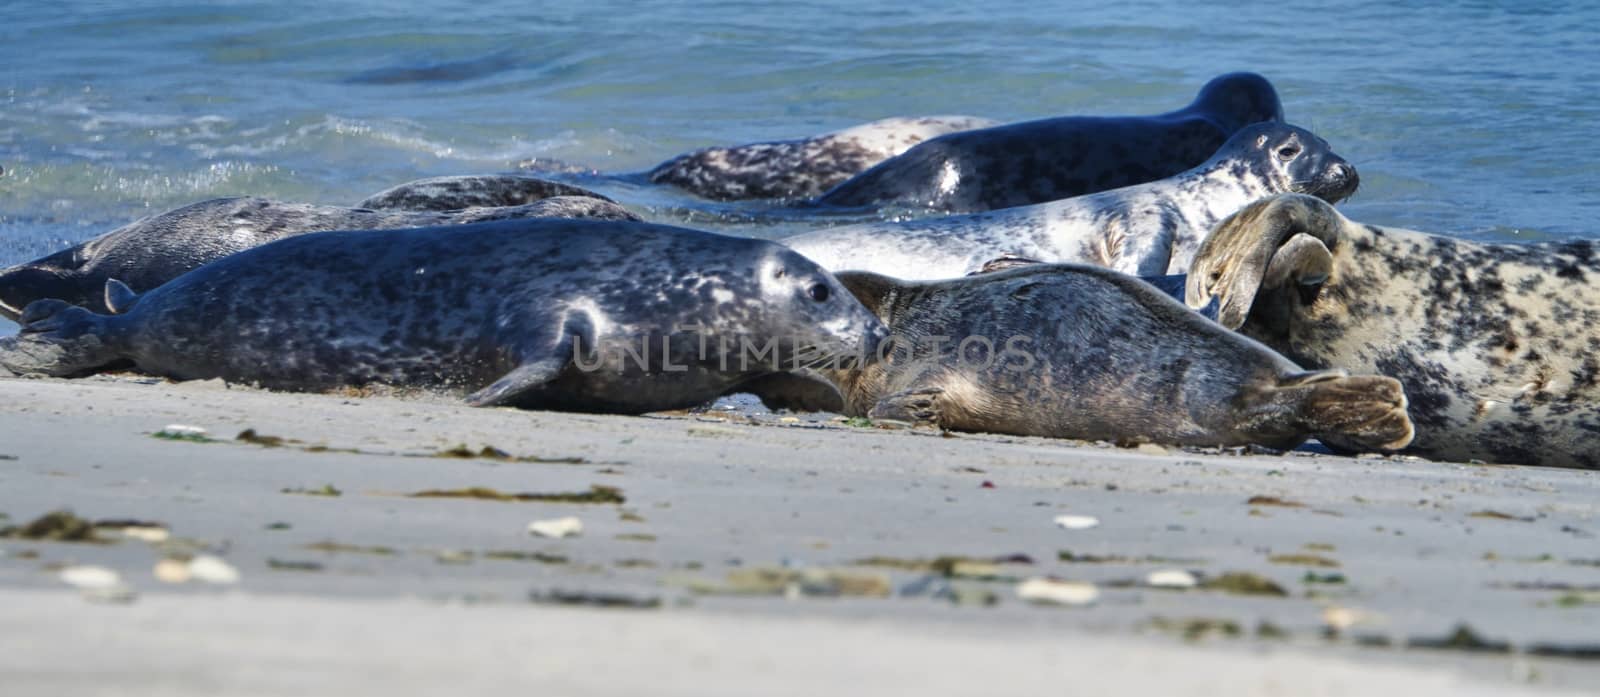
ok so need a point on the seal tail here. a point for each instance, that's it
(58, 339)
(1359, 413)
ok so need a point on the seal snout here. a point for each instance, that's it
(1343, 181)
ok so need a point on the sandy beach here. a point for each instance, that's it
(753, 552)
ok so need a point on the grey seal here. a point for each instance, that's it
(550, 313)
(1036, 161)
(149, 252)
(1146, 229)
(473, 191)
(805, 167)
(1496, 344)
(1078, 351)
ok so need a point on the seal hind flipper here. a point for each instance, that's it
(119, 297)
(1361, 413)
(1235, 261)
(58, 339)
(22, 285)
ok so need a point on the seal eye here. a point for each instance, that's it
(818, 292)
(1288, 152)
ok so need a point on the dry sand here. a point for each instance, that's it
(1393, 551)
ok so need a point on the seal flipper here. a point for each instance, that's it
(22, 285)
(528, 376)
(1360, 413)
(119, 297)
(919, 406)
(1239, 257)
(60, 340)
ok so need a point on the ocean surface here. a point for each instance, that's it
(1477, 119)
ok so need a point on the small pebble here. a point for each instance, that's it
(1049, 591)
(212, 570)
(90, 577)
(172, 571)
(556, 527)
(1171, 578)
(1077, 522)
(118, 594)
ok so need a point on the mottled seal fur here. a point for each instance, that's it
(1078, 351)
(1145, 229)
(560, 314)
(157, 249)
(473, 191)
(803, 168)
(1036, 161)
(1498, 345)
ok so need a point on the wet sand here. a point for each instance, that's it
(758, 553)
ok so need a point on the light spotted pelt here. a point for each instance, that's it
(1498, 345)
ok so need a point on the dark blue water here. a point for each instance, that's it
(1476, 119)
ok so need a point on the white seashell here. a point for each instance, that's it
(212, 570)
(556, 527)
(1342, 618)
(90, 577)
(1171, 578)
(1052, 592)
(1077, 522)
(172, 571)
(146, 534)
(181, 431)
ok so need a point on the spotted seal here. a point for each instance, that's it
(544, 313)
(802, 168)
(1046, 160)
(475, 191)
(1078, 351)
(1146, 229)
(157, 249)
(1496, 344)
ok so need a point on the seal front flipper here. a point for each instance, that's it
(1239, 257)
(919, 406)
(119, 297)
(531, 375)
(60, 340)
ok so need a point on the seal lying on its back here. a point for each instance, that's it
(1036, 161)
(152, 251)
(559, 314)
(1146, 230)
(1074, 351)
(803, 168)
(1496, 344)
